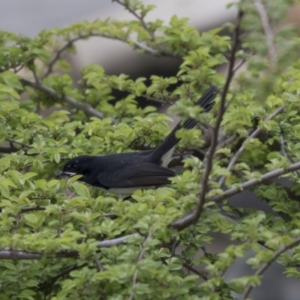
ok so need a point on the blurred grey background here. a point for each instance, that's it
(28, 17)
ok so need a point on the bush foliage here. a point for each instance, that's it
(66, 240)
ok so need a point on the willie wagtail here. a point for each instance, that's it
(124, 173)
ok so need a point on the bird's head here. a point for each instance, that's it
(75, 166)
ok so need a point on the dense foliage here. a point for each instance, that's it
(66, 240)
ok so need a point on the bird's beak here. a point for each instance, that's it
(62, 174)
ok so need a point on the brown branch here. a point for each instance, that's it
(81, 106)
(255, 133)
(266, 265)
(195, 215)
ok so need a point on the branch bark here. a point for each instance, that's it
(195, 215)
(181, 223)
(242, 148)
(136, 273)
(272, 53)
(21, 255)
(71, 101)
(266, 265)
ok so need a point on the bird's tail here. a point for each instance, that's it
(206, 102)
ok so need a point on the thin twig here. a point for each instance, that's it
(134, 43)
(98, 263)
(48, 284)
(60, 51)
(266, 265)
(191, 218)
(138, 17)
(136, 273)
(254, 134)
(84, 107)
(267, 30)
(282, 148)
(239, 65)
(190, 268)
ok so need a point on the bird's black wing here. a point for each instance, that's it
(139, 175)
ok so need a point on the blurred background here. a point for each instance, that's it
(31, 16)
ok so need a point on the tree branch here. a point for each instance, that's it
(181, 223)
(135, 44)
(195, 215)
(253, 182)
(116, 241)
(266, 265)
(20, 255)
(237, 155)
(59, 52)
(32, 208)
(267, 30)
(138, 17)
(136, 273)
(84, 107)
(64, 272)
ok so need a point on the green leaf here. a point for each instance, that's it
(81, 189)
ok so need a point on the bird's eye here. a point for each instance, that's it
(74, 166)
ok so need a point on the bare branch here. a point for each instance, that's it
(32, 208)
(20, 255)
(237, 155)
(136, 44)
(138, 17)
(253, 182)
(266, 265)
(59, 52)
(98, 264)
(191, 218)
(267, 30)
(181, 223)
(239, 65)
(84, 107)
(116, 241)
(190, 268)
(136, 273)
(64, 272)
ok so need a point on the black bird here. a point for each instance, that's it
(123, 173)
